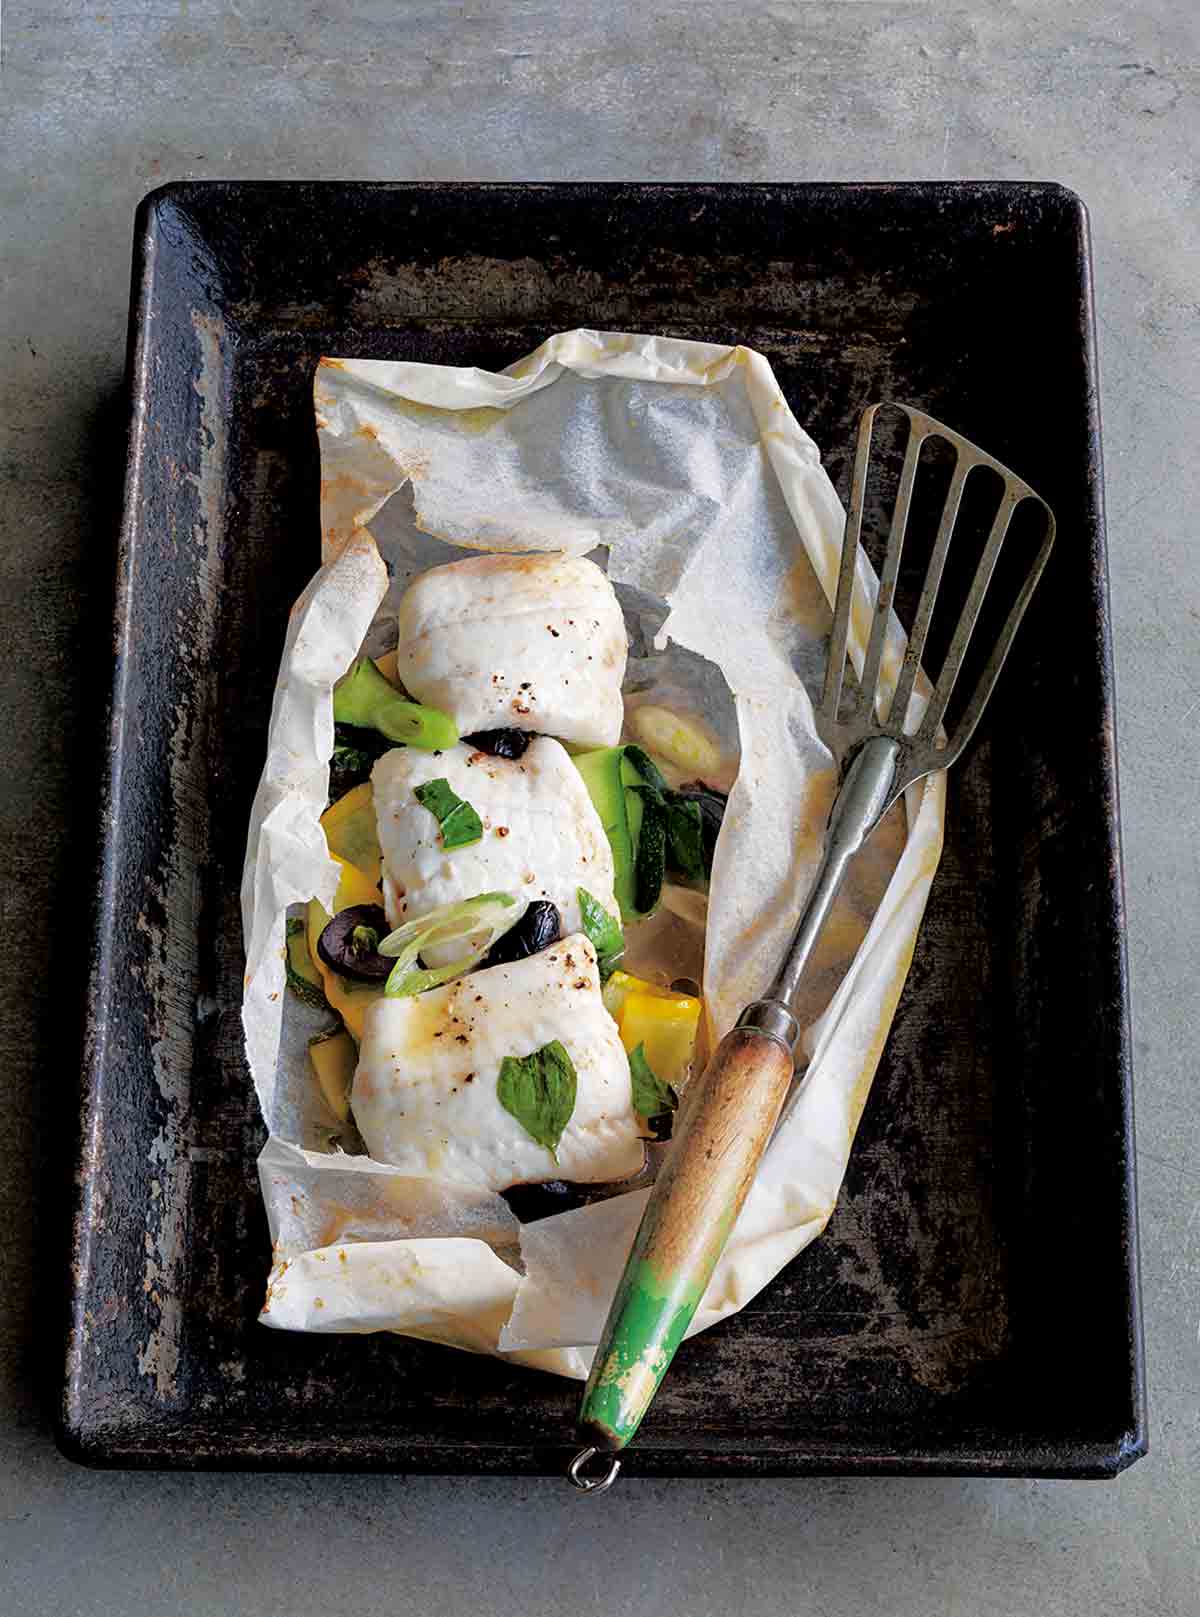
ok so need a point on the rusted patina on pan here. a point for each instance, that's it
(972, 1306)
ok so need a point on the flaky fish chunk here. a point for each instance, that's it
(542, 837)
(517, 642)
(426, 1092)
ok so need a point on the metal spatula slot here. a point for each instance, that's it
(849, 711)
(887, 730)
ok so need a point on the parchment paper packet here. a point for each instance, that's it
(680, 465)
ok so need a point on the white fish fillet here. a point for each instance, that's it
(425, 1095)
(517, 642)
(542, 837)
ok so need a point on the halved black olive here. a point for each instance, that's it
(350, 943)
(712, 812)
(528, 1203)
(538, 928)
(500, 743)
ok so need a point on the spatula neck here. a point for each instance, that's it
(866, 793)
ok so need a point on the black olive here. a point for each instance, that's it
(712, 812)
(660, 1126)
(500, 743)
(538, 928)
(528, 1203)
(349, 944)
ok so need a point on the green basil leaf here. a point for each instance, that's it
(652, 1098)
(685, 838)
(603, 932)
(539, 1091)
(712, 805)
(459, 822)
(680, 822)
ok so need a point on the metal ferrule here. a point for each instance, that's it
(771, 1016)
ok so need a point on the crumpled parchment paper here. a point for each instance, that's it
(683, 465)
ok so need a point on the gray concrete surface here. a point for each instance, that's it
(99, 105)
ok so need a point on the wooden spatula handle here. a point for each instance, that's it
(724, 1123)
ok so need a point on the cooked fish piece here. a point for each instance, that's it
(517, 642)
(426, 1092)
(542, 837)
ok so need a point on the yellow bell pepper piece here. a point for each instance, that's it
(663, 1022)
(354, 887)
(665, 1026)
(349, 999)
(623, 983)
(352, 834)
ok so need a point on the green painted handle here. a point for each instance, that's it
(722, 1129)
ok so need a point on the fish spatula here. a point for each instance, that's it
(729, 1112)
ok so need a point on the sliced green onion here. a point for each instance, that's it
(364, 698)
(475, 922)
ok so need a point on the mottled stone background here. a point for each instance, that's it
(97, 106)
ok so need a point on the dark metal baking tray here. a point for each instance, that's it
(973, 1306)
